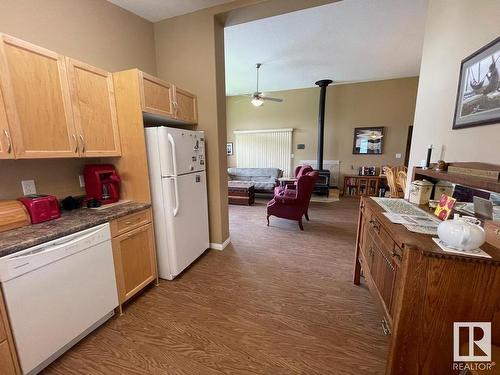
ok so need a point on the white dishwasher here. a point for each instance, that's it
(58, 292)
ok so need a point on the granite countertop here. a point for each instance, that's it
(70, 222)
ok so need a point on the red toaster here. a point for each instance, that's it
(41, 207)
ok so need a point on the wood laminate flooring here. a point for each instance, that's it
(276, 301)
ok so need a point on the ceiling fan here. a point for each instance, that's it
(258, 97)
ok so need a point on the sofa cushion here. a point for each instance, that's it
(255, 172)
(264, 179)
(265, 186)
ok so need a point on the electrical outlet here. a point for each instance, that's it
(28, 187)
(82, 181)
(398, 156)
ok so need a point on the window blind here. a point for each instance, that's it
(270, 148)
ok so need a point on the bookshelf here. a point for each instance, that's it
(373, 186)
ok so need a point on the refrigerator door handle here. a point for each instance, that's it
(174, 158)
(176, 193)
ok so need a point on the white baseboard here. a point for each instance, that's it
(220, 246)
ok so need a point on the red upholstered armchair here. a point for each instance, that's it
(299, 171)
(292, 204)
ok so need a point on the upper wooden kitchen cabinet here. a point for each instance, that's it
(94, 110)
(6, 149)
(34, 80)
(156, 95)
(185, 106)
(164, 99)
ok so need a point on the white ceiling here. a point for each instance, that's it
(157, 10)
(351, 40)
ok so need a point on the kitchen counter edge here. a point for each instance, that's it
(70, 222)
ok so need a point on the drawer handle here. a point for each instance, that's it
(497, 232)
(375, 225)
(395, 254)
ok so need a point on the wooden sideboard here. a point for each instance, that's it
(421, 291)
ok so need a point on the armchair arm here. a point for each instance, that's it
(286, 197)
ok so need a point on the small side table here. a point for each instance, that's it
(284, 181)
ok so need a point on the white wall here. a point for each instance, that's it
(454, 30)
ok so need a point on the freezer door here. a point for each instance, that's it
(186, 215)
(181, 151)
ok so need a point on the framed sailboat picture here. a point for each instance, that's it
(478, 98)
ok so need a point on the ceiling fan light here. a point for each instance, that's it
(257, 102)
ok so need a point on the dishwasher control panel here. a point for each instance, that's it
(24, 261)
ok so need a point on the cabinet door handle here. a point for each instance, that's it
(76, 143)
(83, 142)
(9, 143)
(385, 327)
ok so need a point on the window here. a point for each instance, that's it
(271, 148)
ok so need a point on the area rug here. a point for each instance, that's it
(332, 197)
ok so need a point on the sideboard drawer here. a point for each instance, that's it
(387, 245)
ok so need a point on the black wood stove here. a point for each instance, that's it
(322, 186)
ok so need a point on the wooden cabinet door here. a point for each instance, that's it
(36, 79)
(6, 361)
(135, 260)
(185, 106)
(94, 109)
(156, 95)
(383, 273)
(8, 356)
(6, 147)
(366, 243)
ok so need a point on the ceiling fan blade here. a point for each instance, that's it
(272, 99)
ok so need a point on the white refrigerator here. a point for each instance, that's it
(176, 160)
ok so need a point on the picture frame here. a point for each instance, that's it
(368, 141)
(478, 94)
(229, 148)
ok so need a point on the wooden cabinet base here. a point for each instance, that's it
(8, 357)
(134, 254)
(422, 291)
(6, 364)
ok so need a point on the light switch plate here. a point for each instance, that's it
(28, 187)
(398, 156)
(82, 181)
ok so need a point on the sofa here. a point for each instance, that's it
(264, 179)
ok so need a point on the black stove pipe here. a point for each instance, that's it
(321, 120)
